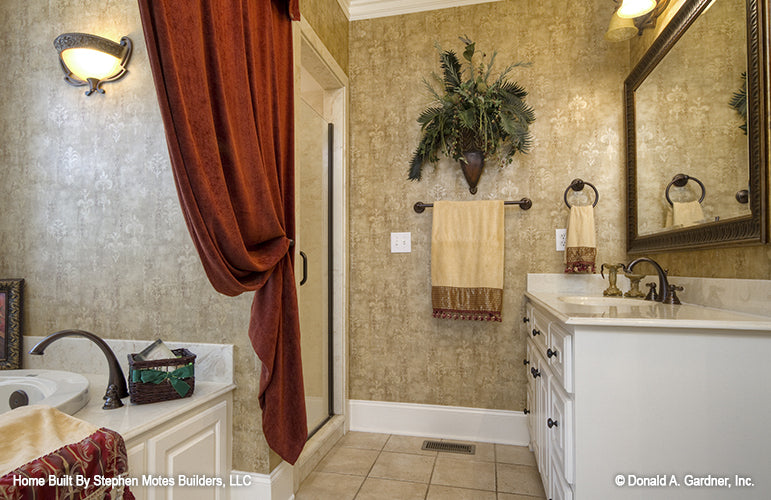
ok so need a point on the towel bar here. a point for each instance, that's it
(578, 185)
(524, 204)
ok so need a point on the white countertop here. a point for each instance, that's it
(132, 420)
(648, 315)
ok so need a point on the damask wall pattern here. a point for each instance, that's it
(89, 214)
(398, 351)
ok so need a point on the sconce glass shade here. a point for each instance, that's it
(92, 60)
(635, 8)
(620, 29)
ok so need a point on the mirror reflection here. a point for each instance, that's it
(689, 121)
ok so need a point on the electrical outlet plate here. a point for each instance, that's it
(562, 236)
(401, 242)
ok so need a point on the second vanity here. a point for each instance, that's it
(188, 437)
(629, 399)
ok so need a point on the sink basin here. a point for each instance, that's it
(65, 391)
(607, 301)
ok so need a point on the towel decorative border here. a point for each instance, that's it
(485, 303)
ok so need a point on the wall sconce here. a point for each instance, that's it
(629, 9)
(632, 17)
(92, 60)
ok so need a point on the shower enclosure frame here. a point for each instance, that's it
(313, 57)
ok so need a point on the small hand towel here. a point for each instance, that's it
(467, 242)
(581, 244)
(682, 214)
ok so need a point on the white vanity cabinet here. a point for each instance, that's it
(550, 401)
(648, 402)
(195, 444)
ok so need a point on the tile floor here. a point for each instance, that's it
(366, 466)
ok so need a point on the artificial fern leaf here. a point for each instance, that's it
(428, 115)
(451, 69)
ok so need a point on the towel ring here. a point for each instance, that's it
(578, 185)
(681, 180)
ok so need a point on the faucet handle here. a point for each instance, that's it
(652, 295)
(672, 296)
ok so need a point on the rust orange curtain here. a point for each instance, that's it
(223, 73)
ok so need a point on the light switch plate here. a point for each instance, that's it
(401, 242)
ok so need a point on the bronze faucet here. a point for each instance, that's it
(664, 292)
(117, 381)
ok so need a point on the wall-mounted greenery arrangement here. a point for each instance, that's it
(471, 117)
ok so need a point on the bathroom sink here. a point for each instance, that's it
(65, 391)
(607, 301)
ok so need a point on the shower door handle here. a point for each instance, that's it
(305, 268)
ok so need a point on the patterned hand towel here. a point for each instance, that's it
(467, 241)
(683, 214)
(581, 244)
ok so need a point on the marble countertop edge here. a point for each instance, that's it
(133, 420)
(684, 316)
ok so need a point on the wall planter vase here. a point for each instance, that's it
(472, 164)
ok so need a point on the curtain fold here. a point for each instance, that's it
(223, 73)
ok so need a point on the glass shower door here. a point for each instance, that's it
(312, 260)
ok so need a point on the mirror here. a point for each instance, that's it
(695, 179)
(10, 323)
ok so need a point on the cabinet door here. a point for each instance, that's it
(192, 448)
(560, 354)
(532, 399)
(137, 468)
(559, 489)
(559, 429)
(542, 378)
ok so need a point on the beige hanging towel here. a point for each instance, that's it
(684, 214)
(467, 241)
(581, 244)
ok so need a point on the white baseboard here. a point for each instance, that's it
(447, 422)
(278, 485)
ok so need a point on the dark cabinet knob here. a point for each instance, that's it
(526, 411)
(536, 332)
(525, 319)
(525, 362)
(551, 423)
(550, 353)
(535, 373)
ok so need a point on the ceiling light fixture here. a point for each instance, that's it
(92, 60)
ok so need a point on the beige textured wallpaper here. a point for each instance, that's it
(398, 352)
(90, 216)
(331, 25)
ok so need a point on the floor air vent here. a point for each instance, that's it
(464, 449)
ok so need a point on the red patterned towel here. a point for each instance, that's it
(99, 459)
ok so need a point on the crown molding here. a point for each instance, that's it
(345, 5)
(368, 9)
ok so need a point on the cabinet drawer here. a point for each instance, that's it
(560, 354)
(558, 423)
(538, 329)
